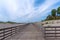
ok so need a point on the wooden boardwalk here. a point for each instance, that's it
(31, 32)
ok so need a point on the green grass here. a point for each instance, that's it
(52, 18)
(8, 22)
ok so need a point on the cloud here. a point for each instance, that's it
(43, 9)
(24, 10)
(18, 8)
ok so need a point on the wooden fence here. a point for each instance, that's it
(6, 32)
(52, 32)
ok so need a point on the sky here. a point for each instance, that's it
(26, 11)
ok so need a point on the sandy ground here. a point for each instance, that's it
(31, 32)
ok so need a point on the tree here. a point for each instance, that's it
(53, 12)
(58, 10)
(49, 17)
(53, 15)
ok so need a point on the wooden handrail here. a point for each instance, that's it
(6, 32)
(51, 32)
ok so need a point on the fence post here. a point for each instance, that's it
(11, 32)
(3, 34)
(44, 33)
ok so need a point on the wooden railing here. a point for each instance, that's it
(6, 32)
(52, 32)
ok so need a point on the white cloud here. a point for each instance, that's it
(20, 8)
(2, 18)
(43, 9)
(47, 5)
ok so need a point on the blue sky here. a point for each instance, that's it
(26, 10)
